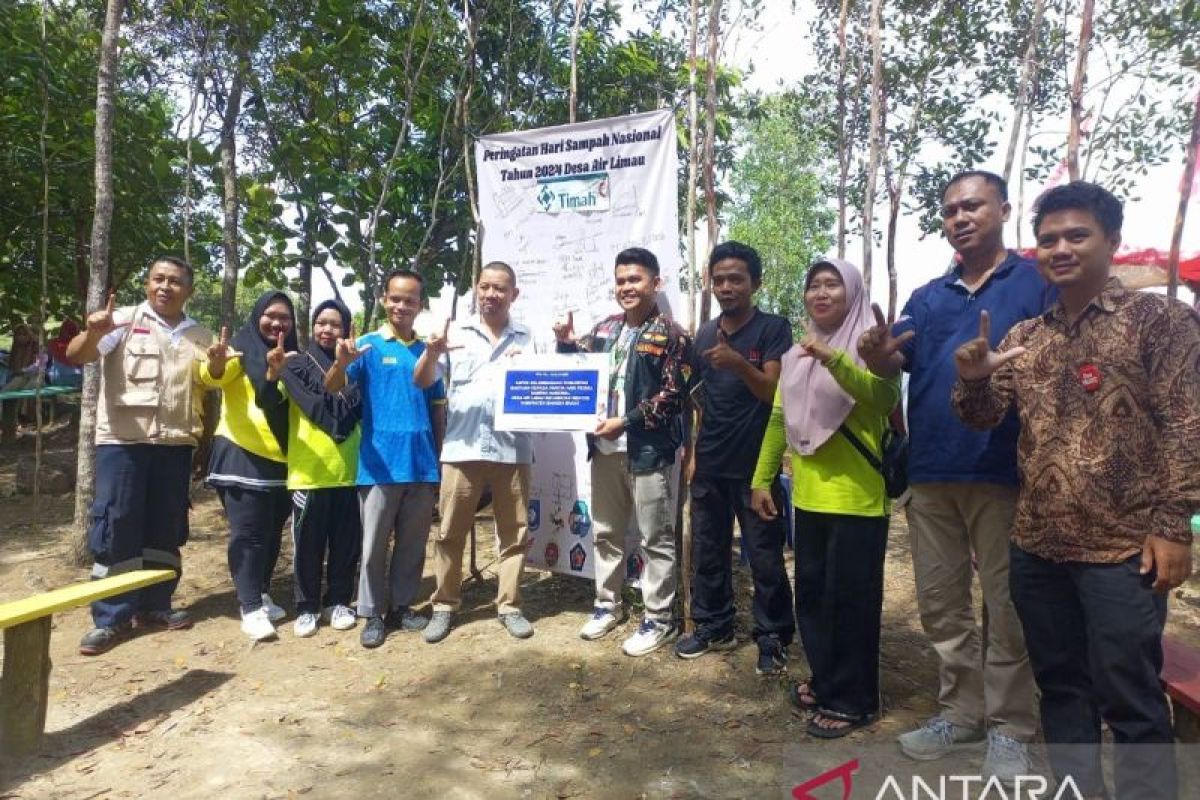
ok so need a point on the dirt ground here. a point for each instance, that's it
(206, 713)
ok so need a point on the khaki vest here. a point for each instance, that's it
(150, 390)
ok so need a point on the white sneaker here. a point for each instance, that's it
(602, 622)
(257, 625)
(341, 618)
(273, 611)
(1006, 758)
(650, 636)
(305, 626)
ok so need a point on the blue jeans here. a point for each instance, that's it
(1094, 634)
(139, 520)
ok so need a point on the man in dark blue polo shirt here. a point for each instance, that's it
(964, 483)
(736, 362)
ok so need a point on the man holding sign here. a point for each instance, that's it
(477, 457)
(633, 449)
(148, 422)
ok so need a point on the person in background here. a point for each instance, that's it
(964, 483)
(1107, 387)
(154, 360)
(402, 429)
(477, 457)
(736, 362)
(633, 450)
(322, 460)
(248, 464)
(825, 397)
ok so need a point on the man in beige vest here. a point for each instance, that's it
(148, 421)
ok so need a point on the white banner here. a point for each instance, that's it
(558, 204)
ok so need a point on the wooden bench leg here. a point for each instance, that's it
(24, 686)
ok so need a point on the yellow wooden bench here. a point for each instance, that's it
(25, 682)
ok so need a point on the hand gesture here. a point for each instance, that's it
(815, 348)
(721, 355)
(277, 357)
(762, 504)
(347, 351)
(100, 323)
(438, 344)
(976, 360)
(1170, 561)
(610, 429)
(877, 343)
(219, 353)
(564, 332)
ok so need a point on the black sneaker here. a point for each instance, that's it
(405, 619)
(701, 640)
(772, 656)
(171, 620)
(374, 633)
(101, 640)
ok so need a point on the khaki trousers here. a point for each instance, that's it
(617, 497)
(947, 522)
(463, 484)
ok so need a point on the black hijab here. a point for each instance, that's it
(324, 358)
(335, 413)
(250, 343)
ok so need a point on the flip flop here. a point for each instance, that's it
(797, 697)
(855, 721)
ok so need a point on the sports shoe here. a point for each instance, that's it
(702, 640)
(101, 640)
(374, 633)
(772, 656)
(438, 627)
(515, 623)
(405, 619)
(257, 624)
(305, 625)
(168, 619)
(602, 622)
(936, 738)
(650, 636)
(275, 612)
(341, 618)
(1006, 758)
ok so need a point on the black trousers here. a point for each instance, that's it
(1094, 635)
(839, 605)
(715, 504)
(255, 533)
(139, 520)
(325, 521)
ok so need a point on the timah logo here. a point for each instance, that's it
(575, 193)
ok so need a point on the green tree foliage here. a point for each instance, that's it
(782, 208)
(147, 178)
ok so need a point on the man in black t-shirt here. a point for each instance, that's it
(735, 371)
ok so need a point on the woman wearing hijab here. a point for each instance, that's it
(322, 464)
(248, 466)
(841, 504)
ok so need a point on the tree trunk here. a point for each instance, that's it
(693, 154)
(233, 108)
(710, 135)
(1185, 195)
(1025, 89)
(843, 145)
(308, 253)
(98, 280)
(81, 263)
(574, 99)
(1075, 132)
(875, 146)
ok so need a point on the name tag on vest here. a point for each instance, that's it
(389, 361)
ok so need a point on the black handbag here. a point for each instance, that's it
(894, 466)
